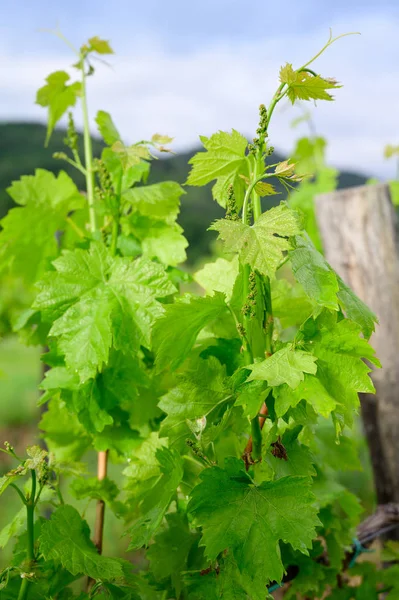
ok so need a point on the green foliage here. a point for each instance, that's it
(302, 85)
(286, 366)
(100, 300)
(175, 333)
(262, 244)
(249, 520)
(28, 236)
(223, 412)
(224, 160)
(65, 539)
(58, 96)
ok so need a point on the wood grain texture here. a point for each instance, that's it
(359, 229)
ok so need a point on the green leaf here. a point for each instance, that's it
(299, 460)
(340, 454)
(261, 245)
(100, 46)
(86, 402)
(313, 272)
(27, 238)
(159, 200)
(65, 538)
(18, 523)
(264, 189)
(218, 276)
(157, 500)
(305, 86)
(200, 389)
(10, 477)
(288, 366)
(130, 156)
(119, 385)
(224, 581)
(169, 553)
(92, 488)
(160, 240)
(290, 303)
(161, 140)
(13, 528)
(66, 438)
(355, 309)
(250, 520)
(310, 389)
(143, 464)
(123, 177)
(58, 96)
(176, 331)
(100, 300)
(251, 395)
(325, 287)
(223, 160)
(340, 366)
(106, 127)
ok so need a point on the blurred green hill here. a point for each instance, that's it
(22, 151)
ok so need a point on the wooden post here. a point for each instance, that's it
(359, 229)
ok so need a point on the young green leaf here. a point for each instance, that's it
(124, 177)
(130, 156)
(106, 127)
(305, 86)
(261, 245)
(224, 160)
(58, 96)
(288, 365)
(100, 46)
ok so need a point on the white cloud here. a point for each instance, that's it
(151, 90)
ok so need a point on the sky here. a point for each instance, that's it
(191, 68)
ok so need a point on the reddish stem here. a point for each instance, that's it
(248, 448)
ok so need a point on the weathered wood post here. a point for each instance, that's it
(359, 229)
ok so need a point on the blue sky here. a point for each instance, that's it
(190, 68)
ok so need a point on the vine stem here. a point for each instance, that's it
(253, 449)
(88, 152)
(102, 466)
(102, 457)
(30, 503)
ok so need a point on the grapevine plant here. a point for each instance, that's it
(221, 410)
